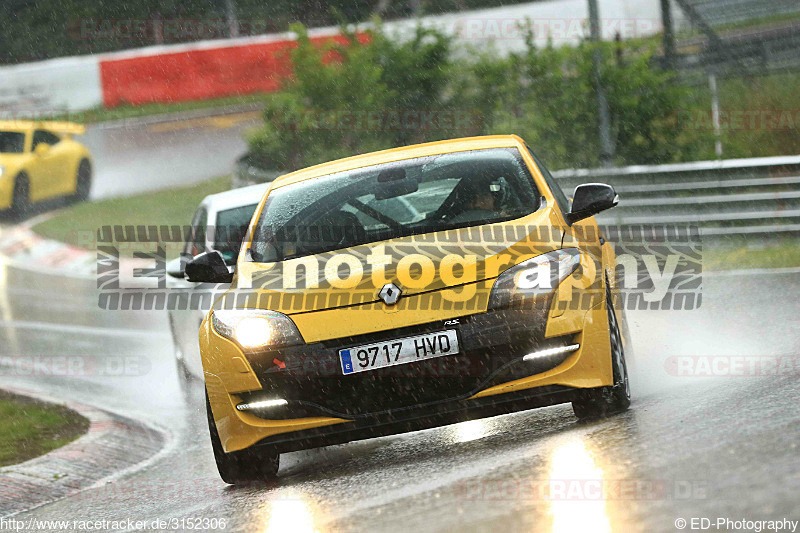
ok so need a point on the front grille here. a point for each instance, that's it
(489, 342)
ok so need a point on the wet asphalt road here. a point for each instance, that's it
(710, 447)
(139, 155)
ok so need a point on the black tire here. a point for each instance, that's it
(244, 466)
(603, 401)
(21, 197)
(83, 181)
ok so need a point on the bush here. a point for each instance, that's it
(363, 92)
(547, 95)
(354, 96)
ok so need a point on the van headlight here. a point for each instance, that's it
(537, 276)
(255, 328)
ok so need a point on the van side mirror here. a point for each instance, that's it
(208, 267)
(590, 199)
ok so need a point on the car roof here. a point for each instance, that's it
(397, 154)
(53, 126)
(243, 196)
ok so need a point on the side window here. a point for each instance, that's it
(561, 198)
(197, 243)
(44, 137)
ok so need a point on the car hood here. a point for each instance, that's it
(415, 264)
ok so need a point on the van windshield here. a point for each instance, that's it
(379, 202)
(231, 229)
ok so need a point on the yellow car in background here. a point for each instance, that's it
(41, 161)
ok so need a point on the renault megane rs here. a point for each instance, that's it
(408, 289)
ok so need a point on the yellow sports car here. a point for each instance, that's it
(40, 161)
(407, 289)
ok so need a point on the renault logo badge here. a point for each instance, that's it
(390, 293)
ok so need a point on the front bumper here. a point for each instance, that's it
(418, 418)
(487, 377)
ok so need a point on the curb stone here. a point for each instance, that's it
(22, 247)
(112, 444)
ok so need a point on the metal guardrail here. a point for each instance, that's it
(759, 196)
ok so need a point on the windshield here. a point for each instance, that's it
(12, 142)
(380, 202)
(231, 228)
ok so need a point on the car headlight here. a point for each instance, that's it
(537, 276)
(255, 328)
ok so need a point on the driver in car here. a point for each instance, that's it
(483, 200)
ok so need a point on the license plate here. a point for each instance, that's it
(398, 351)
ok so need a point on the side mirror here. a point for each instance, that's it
(175, 268)
(41, 149)
(590, 199)
(208, 267)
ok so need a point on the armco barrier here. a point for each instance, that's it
(758, 196)
(200, 73)
(50, 87)
(222, 67)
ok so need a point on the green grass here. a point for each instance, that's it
(31, 428)
(774, 94)
(776, 255)
(745, 132)
(100, 114)
(167, 207)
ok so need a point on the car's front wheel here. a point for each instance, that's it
(244, 466)
(604, 401)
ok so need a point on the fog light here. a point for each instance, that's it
(551, 351)
(264, 404)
